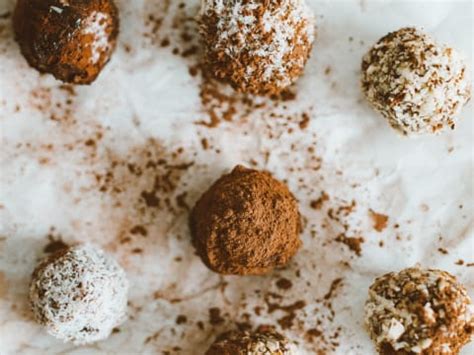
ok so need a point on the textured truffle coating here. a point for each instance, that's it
(79, 294)
(259, 47)
(418, 311)
(245, 343)
(246, 223)
(417, 84)
(70, 39)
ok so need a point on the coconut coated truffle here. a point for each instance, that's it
(259, 47)
(79, 294)
(246, 223)
(70, 39)
(245, 343)
(417, 311)
(418, 85)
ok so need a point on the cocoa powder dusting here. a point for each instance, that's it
(55, 242)
(284, 284)
(380, 221)
(246, 223)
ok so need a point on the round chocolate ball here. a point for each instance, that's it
(79, 294)
(418, 85)
(70, 39)
(246, 223)
(418, 311)
(245, 343)
(259, 47)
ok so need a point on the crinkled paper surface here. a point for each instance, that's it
(119, 163)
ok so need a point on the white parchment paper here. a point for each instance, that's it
(65, 173)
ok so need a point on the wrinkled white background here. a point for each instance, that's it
(419, 183)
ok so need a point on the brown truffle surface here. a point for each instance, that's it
(245, 343)
(417, 311)
(70, 39)
(246, 223)
(259, 47)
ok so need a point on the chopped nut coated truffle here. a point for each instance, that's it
(415, 83)
(259, 47)
(79, 294)
(246, 223)
(70, 39)
(244, 343)
(419, 311)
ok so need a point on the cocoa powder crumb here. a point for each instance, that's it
(215, 317)
(139, 230)
(304, 123)
(205, 144)
(55, 244)
(181, 319)
(284, 284)
(353, 243)
(317, 204)
(334, 286)
(380, 221)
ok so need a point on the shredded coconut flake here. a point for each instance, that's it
(96, 25)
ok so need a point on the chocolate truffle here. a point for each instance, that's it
(259, 47)
(418, 85)
(245, 343)
(70, 39)
(246, 223)
(79, 294)
(417, 311)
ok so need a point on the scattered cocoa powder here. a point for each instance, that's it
(55, 242)
(353, 243)
(304, 123)
(284, 284)
(215, 317)
(334, 286)
(181, 319)
(317, 204)
(380, 221)
(443, 251)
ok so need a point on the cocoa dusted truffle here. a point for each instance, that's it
(245, 343)
(246, 223)
(259, 47)
(79, 294)
(417, 311)
(417, 84)
(70, 39)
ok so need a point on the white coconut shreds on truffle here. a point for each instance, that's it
(257, 343)
(259, 47)
(417, 84)
(418, 311)
(79, 294)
